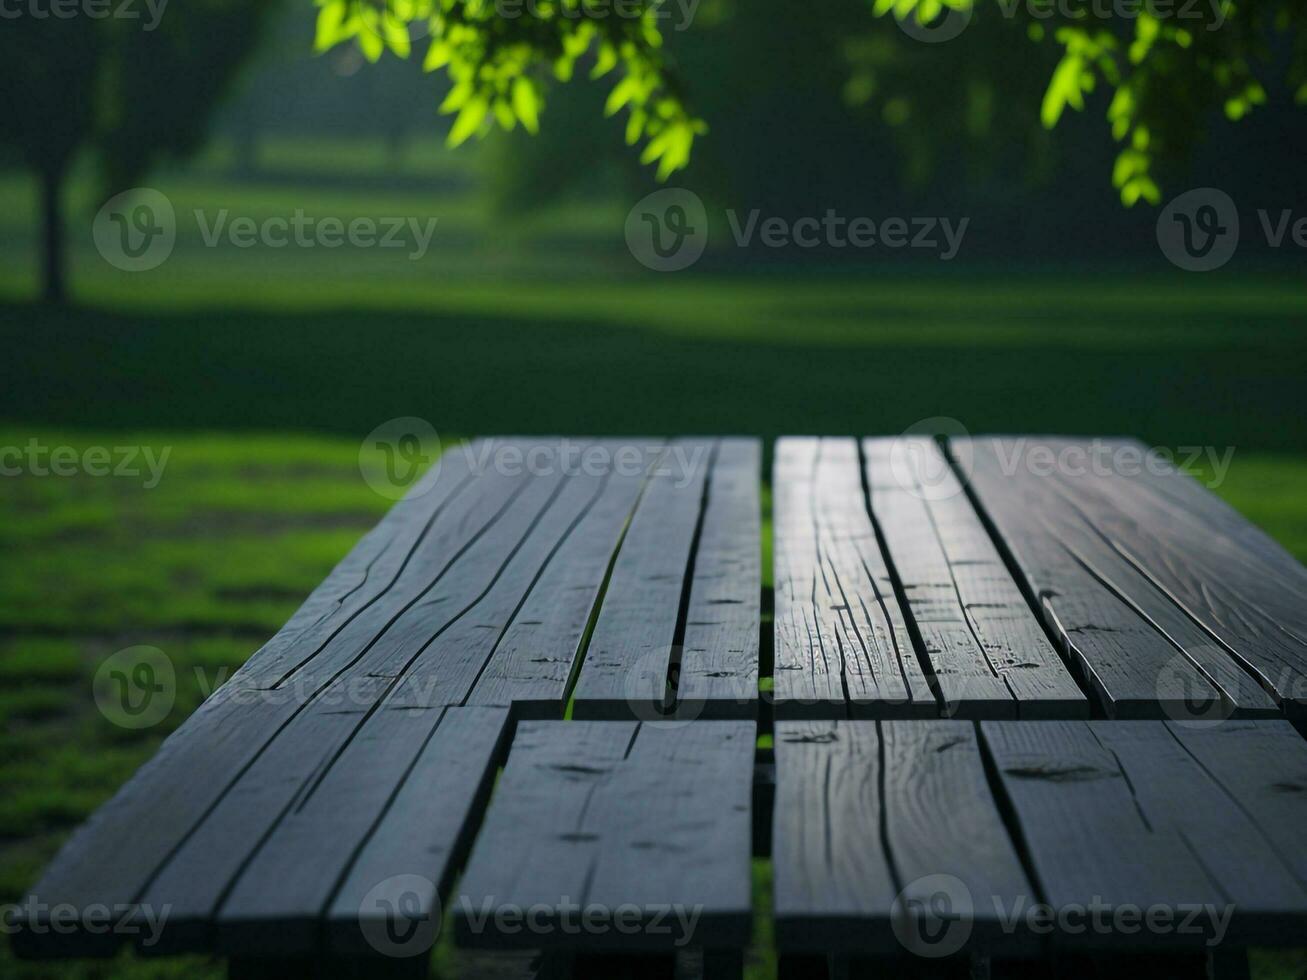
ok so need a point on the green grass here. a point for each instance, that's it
(260, 371)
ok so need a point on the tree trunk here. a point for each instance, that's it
(52, 225)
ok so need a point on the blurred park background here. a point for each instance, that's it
(260, 369)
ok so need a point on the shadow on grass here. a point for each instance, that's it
(348, 371)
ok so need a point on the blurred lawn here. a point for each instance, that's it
(233, 357)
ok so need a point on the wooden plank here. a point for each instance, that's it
(1091, 840)
(988, 653)
(197, 875)
(718, 675)
(841, 640)
(1202, 558)
(181, 831)
(645, 826)
(626, 671)
(1263, 766)
(395, 810)
(1141, 654)
(534, 661)
(878, 826)
(1247, 834)
(110, 859)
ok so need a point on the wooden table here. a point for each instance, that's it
(994, 684)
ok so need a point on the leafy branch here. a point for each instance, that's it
(1167, 72)
(499, 58)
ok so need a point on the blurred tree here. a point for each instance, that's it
(131, 91)
(1167, 63)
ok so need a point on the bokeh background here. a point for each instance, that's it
(260, 370)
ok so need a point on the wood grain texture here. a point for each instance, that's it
(878, 826)
(645, 824)
(1245, 591)
(628, 661)
(989, 655)
(1241, 831)
(111, 859)
(411, 625)
(841, 640)
(205, 865)
(533, 663)
(1141, 653)
(1263, 766)
(1092, 840)
(399, 801)
(718, 676)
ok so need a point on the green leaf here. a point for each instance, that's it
(605, 62)
(469, 120)
(526, 103)
(622, 93)
(457, 97)
(396, 35)
(504, 115)
(370, 44)
(635, 126)
(333, 25)
(438, 55)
